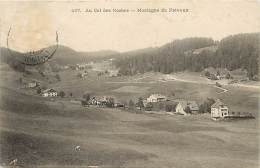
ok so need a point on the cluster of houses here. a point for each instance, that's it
(82, 66)
(214, 74)
(156, 98)
(183, 107)
(218, 110)
(34, 84)
(105, 101)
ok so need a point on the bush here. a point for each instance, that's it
(228, 76)
(207, 74)
(39, 90)
(62, 94)
(255, 78)
(57, 76)
(140, 103)
(168, 108)
(131, 104)
(84, 103)
(218, 84)
(161, 106)
(206, 106)
(86, 97)
(111, 102)
(149, 106)
(187, 109)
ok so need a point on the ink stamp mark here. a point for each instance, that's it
(34, 57)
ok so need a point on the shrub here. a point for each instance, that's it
(57, 76)
(149, 106)
(228, 76)
(218, 84)
(206, 106)
(62, 94)
(86, 96)
(131, 104)
(140, 103)
(161, 106)
(187, 109)
(207, 74)
(39, 90)
(168, 108)
(110, 102)
(84, 103)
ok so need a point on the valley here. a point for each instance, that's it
(43, 132)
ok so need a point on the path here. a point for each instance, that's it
(223, 89)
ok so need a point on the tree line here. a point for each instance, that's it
(232, 52)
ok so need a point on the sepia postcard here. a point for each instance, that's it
(129, 83)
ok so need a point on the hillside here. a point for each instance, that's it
(64, 55)
(196, 54)
(44, 133)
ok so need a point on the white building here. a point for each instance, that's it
(82, 66)
(30, 85)
(219, 110)
(113, 73)
(156, 98)
(187, 107)
(49, 93)
(83, 74)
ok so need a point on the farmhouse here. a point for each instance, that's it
(216, 74)
(113, 73)
(187, 107)
(30, 84)
(99, 100)
(102, 100)
(168, 106)
(219, 110)
(49, 93)
(83, 74)
(117, 103)
(82, 66)
(156, 98)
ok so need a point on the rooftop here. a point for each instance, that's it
(218, 103)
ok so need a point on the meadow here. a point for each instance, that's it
(40, 132)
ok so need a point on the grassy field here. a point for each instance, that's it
(113, 138)
(183, 87)
(43, 133)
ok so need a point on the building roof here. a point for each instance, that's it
(157, 96)
(218, 103)
(49, 90)
(32, 82)
(103, 98)
(192, 105)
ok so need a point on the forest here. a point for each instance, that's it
(195, 54)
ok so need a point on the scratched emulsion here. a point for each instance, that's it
(32, 28)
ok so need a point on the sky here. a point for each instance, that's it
(34, 24)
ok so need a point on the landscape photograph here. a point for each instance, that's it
(129, 84)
